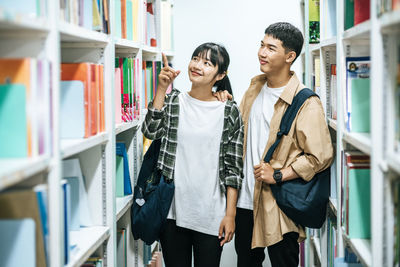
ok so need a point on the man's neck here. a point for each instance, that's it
(279, 80)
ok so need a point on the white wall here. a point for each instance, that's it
(238, 25)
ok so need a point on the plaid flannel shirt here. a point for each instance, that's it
(164, 124)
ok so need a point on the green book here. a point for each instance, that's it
(314, 23)
(119, 183)
(360, 106)
(13, 121)
(359, 212)
(348, 14)
(117, 19)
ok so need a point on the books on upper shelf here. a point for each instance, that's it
(126, 19)
(90, 14)
(150, 29)
(356, 195)
(25, 116)
(314, 23)
(127, 107)
(328, 24)
(123, 179)
(358, 94)
(348, 14)
(384, 6)
(166, 26)
(151, 70)
(317, 76)
(355, 12)
(16, 9)
(82, 95)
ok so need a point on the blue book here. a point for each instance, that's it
(117, 19)
(17, 243)
(41, 194)
(72, 109)
(88, 14)
(340, 262)
(13, 121)
(75, 211)
(67, 212)
(121, 151)
(28, 8)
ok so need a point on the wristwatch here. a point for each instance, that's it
(277, 177)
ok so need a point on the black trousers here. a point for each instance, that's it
(177, 244)
(286, 252)
(246, 257)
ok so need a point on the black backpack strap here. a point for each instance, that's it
(288, 117)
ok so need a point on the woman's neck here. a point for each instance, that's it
(203, 93)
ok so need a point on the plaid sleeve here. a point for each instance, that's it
(153, 126)
(233, 159)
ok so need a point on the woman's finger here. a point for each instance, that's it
(165, 60)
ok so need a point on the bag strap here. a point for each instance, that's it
(288, 118)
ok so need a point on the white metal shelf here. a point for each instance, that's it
(150, 49)
(390, 20)
(122, 205)
(330, 42)
(125, 126)
(393, 161)
(361, 141)
(360, 31)
(124, 43)
(362, 248)
(74, 33)
(23, 23)
(74, 146)
(314, 47)
(169, 53)
(333, 124)
(13, 171)
(88, 240)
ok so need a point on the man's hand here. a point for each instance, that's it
(226, 228)
(223, 95)
(167, 75)
(263, 172)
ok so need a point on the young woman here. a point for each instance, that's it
(201, 151)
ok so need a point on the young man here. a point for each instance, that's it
(306, 150)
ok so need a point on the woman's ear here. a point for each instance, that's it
(220, 76)
(290, 57)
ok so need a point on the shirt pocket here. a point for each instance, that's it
(282, 152)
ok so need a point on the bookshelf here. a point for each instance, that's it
(379, 39)
(47, 36)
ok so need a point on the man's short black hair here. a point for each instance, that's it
(291, 37)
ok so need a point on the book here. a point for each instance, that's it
(124, 186)
(23, 204)
(333, 92)
(397, 104)
(348, 14)
(17, 242)
(361, 11)
(121, 248)
(118, 18)
(314, 23)
(356, 68)
(359, 119)
(72, 109)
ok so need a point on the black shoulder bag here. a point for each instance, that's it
(303, 202)
(152, 198)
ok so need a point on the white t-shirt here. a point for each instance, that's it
(257, 137)
(198, 202)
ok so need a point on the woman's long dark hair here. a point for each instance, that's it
(219, 57)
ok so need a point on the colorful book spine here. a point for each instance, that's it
(314, 21)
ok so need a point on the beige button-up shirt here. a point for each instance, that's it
(307, 148)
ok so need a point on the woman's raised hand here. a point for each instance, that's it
(167, 75)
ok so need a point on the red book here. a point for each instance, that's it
(361, 11)
(94, 103)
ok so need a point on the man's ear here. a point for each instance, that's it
(290, 57)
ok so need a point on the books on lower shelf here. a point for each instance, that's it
(150, 70)
(123, 180)
(122, 247)
(358, 94)
(93, 262)
(356, 195)
(127, 107)
(90, 14)
(333, 91)
(397, 104)
(331, 241)
(349, 260)
(82, 94)
(24, 108)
